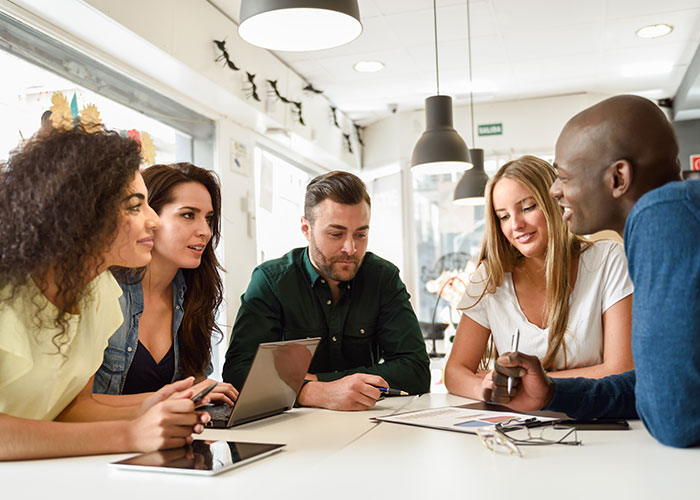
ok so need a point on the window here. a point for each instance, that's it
(26, 91)
(280, 188)
(447, 237)
(386, 225)
(44, 64)
(448, 240)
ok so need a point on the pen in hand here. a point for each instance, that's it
(196, 399)
(392, 392)
(514, 341)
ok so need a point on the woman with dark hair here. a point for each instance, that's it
(169, 308)
(570, 299)
(73, 205)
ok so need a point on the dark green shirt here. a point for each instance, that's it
(371, 329)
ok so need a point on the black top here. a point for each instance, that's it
(145, 375)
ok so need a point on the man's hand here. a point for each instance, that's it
(354, 392)
(532, 388)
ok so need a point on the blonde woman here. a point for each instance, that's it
(570, 299)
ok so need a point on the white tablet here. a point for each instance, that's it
(203, 458)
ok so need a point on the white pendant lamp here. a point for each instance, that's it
(440, 149)
(470, 188)
(299, 25)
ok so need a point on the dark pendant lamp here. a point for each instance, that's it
(299, 25)
(470, 189)
(440, 149)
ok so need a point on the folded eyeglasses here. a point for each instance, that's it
(508, 436)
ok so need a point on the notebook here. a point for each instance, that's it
(272, 384)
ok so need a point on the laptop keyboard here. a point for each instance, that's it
(219, 412)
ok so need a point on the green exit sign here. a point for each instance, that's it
(491, 129)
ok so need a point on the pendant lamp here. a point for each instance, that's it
(470, 188)
(440, 149)
(299, 25)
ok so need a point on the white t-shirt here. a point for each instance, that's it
(36, 381)
(602, 281)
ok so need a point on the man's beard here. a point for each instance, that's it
(325, 264)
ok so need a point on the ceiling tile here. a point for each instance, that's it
(580, 38)
(527, 17)
(633, 8)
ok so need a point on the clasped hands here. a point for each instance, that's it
(531, 388)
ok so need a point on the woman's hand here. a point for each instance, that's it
(167, 424)
(486, 384)
(222, 393)
(177, 390)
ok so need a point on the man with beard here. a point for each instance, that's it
(616, 164)
(336, 290)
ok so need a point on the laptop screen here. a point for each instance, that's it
(274, 379)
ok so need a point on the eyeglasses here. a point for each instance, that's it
(508, 436)
(496, 441)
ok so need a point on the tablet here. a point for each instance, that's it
(202, 458)
(598, 424)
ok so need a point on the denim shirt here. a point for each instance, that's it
(119, 354)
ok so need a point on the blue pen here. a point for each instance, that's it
(392, 392)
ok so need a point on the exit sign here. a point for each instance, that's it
(694, 162)
(491, 129)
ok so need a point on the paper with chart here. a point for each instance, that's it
(460, 419)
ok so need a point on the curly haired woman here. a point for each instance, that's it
(73, 205)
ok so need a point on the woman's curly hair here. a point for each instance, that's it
(60, 196)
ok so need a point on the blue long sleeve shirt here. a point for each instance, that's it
(662, 243)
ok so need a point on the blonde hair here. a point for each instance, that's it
(498, 256)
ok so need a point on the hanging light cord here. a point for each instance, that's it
(437, 68)
(471, 81)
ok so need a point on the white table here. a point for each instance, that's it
(345, 455)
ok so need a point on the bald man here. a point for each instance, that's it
(616, 164)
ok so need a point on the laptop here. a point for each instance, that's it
(272, 384)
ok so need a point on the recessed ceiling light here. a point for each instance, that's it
(368, 66)
(654, 31)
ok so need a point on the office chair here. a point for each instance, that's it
(433, 331)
